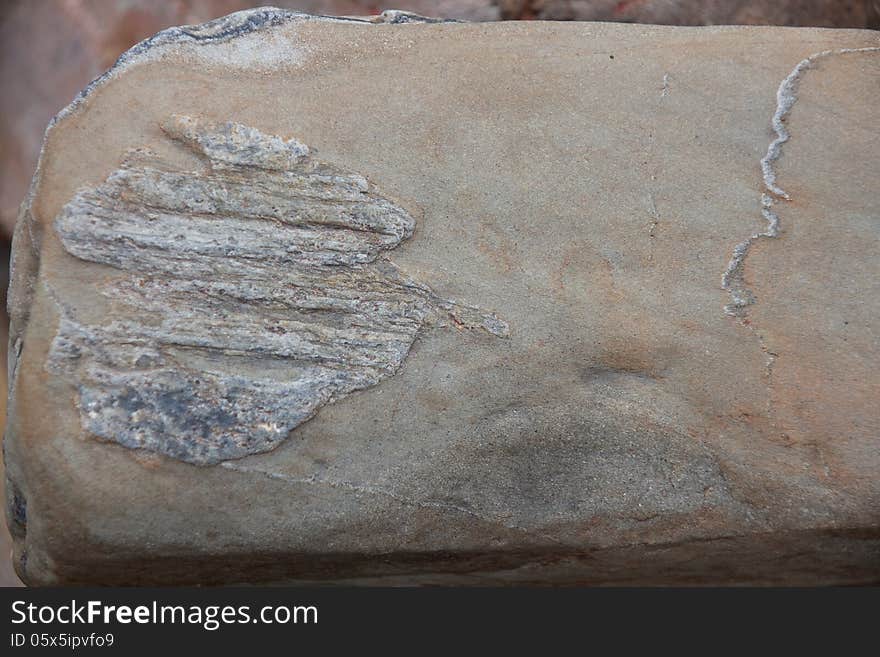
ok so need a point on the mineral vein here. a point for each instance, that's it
(732, 280)
(246, 296)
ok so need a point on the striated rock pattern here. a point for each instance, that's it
(255, 292)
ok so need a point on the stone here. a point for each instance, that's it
(395, 301)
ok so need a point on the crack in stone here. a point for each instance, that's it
(733, 279)
(786, 95)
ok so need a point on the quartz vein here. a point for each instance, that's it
(786, 95)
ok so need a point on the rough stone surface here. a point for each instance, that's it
(666, 240)
(266, 272)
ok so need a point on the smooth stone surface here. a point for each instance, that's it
(666, 405)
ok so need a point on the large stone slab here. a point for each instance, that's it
(302, 299)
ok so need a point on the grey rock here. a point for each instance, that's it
(264, 272)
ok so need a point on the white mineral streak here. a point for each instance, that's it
(249, 52)
(786, 96)
(254, 292)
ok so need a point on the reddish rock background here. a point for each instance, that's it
(51, 50)
(808, 13)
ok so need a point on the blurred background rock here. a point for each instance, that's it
(50, 49)
(794, 13)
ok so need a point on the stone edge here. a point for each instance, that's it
(23, 270)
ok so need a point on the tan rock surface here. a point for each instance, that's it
(589, 183)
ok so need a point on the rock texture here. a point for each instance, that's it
(404, 302)
(264, 271)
